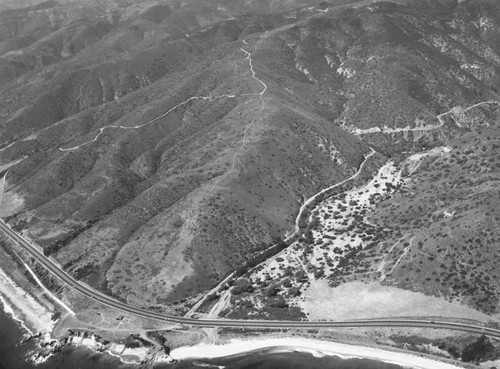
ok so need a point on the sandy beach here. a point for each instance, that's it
(34, 318)
(317, 348)
(23, 307)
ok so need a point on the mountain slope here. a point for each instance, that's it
(153, 148)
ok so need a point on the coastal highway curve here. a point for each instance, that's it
(236, 323)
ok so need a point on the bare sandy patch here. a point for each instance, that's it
(10, 203)
(23, 307)
(176, 267)
(357, 300)
(10, 164)
(490, 364)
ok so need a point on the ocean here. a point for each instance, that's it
(10, 333)
(267, 359)
(13, 357)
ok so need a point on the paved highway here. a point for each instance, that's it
(97, 296)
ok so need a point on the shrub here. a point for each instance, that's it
(294, 292)
(242, 285)
(279, 302)
(272, 290)
(287, 283)
(477, 350)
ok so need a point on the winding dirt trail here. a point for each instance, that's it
(244, 141)
(222, 303)
(262, 103)
(260, 94)
(431, 127)
(101, 130)
(223, 299)
(313, 198)
(251, 124)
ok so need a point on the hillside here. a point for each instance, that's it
(152, 148)
(14, 4)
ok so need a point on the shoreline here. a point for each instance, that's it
(127, 355)
(314, 347)
(36, 319)
(36, 323)
(23, 307)
(32, 316)
(10, 312)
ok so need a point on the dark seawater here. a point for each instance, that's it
(10, 355)
(13, 357)
(266, 359)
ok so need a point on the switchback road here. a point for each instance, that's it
(282, 324)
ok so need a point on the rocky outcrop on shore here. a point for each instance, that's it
(133, 350)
